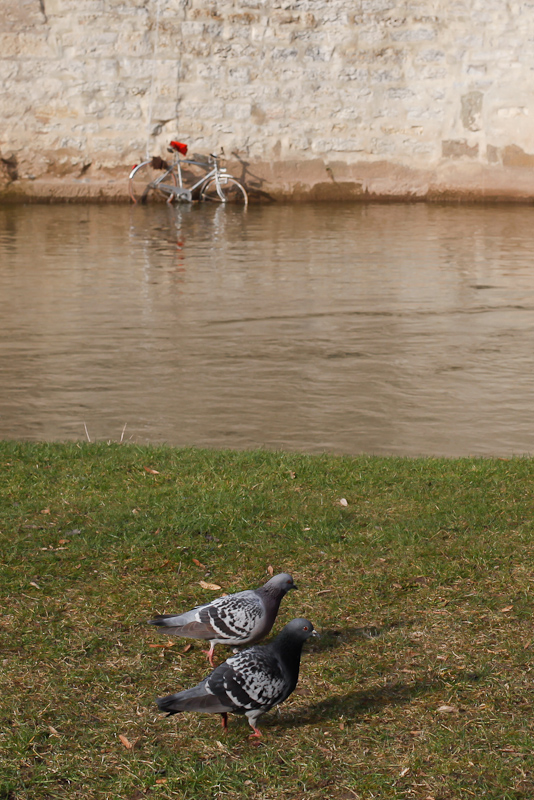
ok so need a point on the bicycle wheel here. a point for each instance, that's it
(228, 190)
(143, 182)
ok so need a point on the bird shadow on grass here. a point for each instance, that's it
(360, 701)
(332, 638)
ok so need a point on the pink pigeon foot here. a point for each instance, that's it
(209, 654)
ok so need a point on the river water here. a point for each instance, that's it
(387, 329)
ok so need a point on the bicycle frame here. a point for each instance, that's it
(159, 183)
(218, 173)
(216, 178)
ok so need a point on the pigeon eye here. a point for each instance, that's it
(305, 628)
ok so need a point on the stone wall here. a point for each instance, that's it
(308, 98)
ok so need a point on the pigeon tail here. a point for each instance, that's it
(196, 699)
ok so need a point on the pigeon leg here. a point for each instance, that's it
(209, 653)
(224, 721)
(252, 717)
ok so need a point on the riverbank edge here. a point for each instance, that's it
(307, 181)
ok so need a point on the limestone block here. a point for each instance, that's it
(458, 149)
(192, 29)
(319, 53)
(334, 145)
(472, 110)
(284, 53)
(27, 45)
(431, 54)
(514, 156)
(374, 6)
(24, 14)
(135, 44)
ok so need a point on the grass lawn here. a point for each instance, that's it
(417, 572)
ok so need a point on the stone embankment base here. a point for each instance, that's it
(308, 181)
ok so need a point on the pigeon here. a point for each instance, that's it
(250, 682)
(241, 618)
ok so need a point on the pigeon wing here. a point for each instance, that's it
(234, 619)
(252, 679)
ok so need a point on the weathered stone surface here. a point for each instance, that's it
(313, 98)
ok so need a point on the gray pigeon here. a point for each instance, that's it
(241, 618)
(251, 682)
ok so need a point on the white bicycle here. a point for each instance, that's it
(157, 179)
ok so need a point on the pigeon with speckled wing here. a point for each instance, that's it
(241, 618)
(251, 682)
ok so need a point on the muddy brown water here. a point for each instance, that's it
(387, 329)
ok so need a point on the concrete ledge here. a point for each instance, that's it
(309, 181)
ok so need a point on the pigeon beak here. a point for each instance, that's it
(293, 587)
(315, 634)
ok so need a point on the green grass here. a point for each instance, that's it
(421, 586)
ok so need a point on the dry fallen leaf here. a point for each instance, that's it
(447, 709)
(167, 644)
(198, 563)
(187, 648)
(506, 609)
(32, 583)
(161, 780)
(303, 691)
(343, 502)
(53, 731)
(126, 742)
(213, 586)
(151, 471)
(270, 570)
(45, 511)
(404, 772)
(63, 541)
